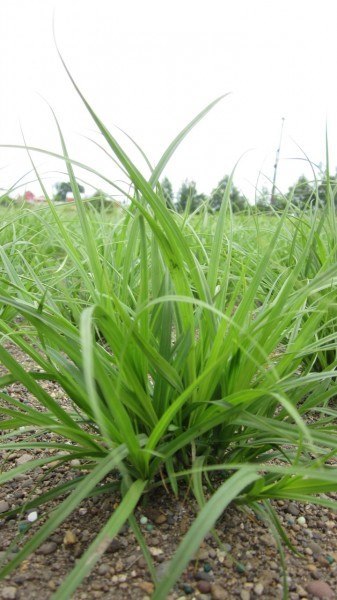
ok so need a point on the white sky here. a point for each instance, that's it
(149, 66)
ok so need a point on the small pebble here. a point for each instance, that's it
(146, 586)
(315, 547)
(160, 559)
(245, 595)
(218, 592)
(103, 569)
(69, 538)
(85, 535)
(204, 587)
(114, 546)
(322, 561)
(155, 551)
(96, 586)
(293, 509)
(32, 516)
(131, 560)
(240, 568)
(202, 554)
(52, 585)
(187, 589)
(143, 520)
(258, 589)
(23, 459)
(202, 576)
(268, 539)
(155, 541)
(301, 521)
(149, 527)
(160, 519)
(221, 556)
(9, 593)
(207, 567)
(142, 563)
(47, 548)
(23, 527)
(4, 506)
(321, 589)
(119, 566)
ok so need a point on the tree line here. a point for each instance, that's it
(303, 194)
(188, 198)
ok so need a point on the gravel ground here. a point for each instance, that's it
(247, 567)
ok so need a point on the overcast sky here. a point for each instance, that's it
(149, 66)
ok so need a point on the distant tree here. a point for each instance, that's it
(263, 201)
(201, 198)
(325, 192)
(5, 200)
(302, 193)
(279, 202)
(62, 188)
(189, 197)
(167, 191)
(238, 202)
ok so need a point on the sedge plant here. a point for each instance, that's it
(181, 352)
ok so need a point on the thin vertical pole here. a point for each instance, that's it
(272, 197)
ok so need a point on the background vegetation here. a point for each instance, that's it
(302, 194)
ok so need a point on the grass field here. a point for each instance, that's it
(189, 346)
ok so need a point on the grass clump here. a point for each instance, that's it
(186, 346)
